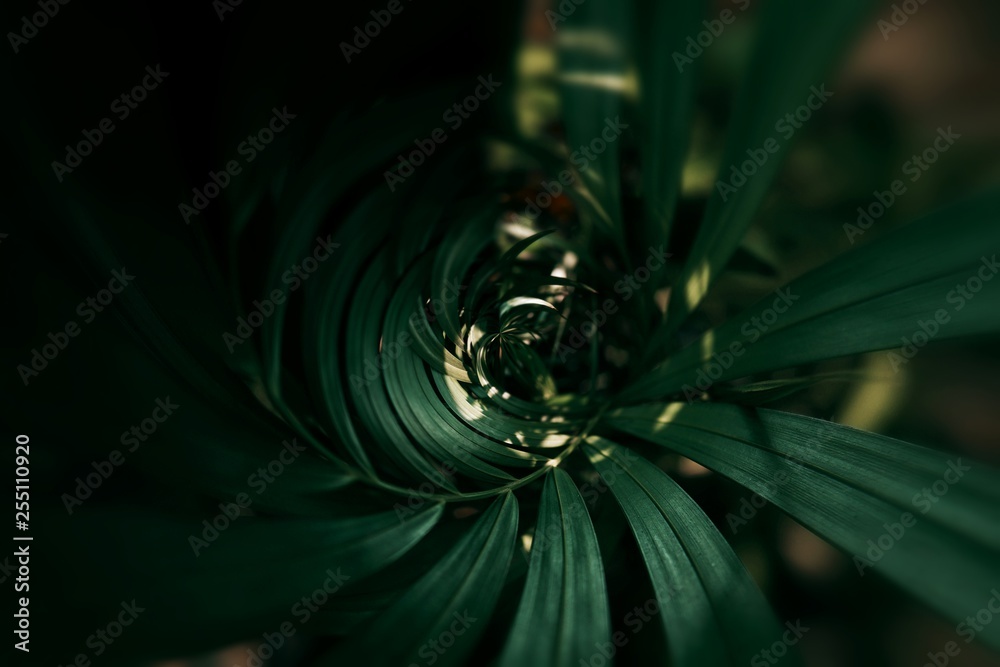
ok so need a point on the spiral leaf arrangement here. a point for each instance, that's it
(458, 385)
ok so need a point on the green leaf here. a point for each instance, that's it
(854, 489)
(453, 261)
(711, 610)
(870, 298)
(375, 402)
(326, 308)
(790, 58)
(762, 393)
(336, 165)
(480, 414)
(666, 101)
(564, 609)
(593, 47)
(455, 599)
(194, 590)
(529, 367)
(484, 277)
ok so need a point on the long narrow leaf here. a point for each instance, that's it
(711, 610)
(564, 610)
(924, 519)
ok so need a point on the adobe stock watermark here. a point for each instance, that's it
(454, 116)
(372, 29)
(627, 287)
(102, 638)
(223, 7)
(6, 570)
(22, 616)
(432, 650)
(901, 13)
(635, 620)
(258, 481)
(302, 611)
(59, 341)
(31, 25)
(915, 167)
(924, 501)
(294, 278)
(566, 8)
(786, 127)
(391, 350)
(779, 649)
(967, 629)
(131, 439)
(248, 149)
(927, 330)
(553, 532)
(697, 44)
(590, 491)
(755, 327)
(122, 106)
(581, 158)
(749, 507)
(418, 497)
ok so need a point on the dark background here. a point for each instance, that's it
(225, 77)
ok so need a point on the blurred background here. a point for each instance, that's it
(892, 94)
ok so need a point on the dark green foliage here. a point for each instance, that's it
(462, 376)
